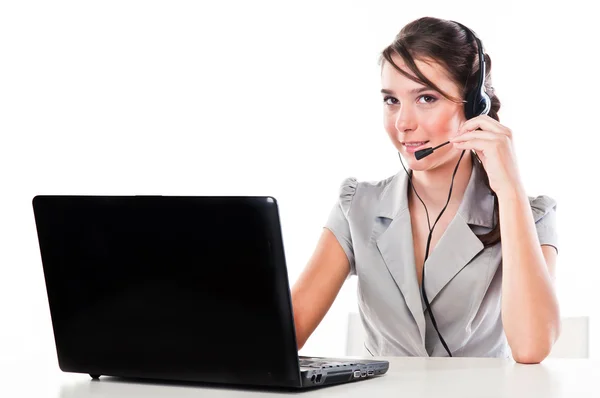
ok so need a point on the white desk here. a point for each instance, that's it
(407, 377)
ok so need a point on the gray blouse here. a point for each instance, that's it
(463, 280)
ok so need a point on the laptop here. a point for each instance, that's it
(176, 288)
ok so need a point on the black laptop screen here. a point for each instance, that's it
(167, 285)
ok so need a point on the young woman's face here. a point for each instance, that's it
(413, 113)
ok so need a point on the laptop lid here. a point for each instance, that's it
(183, 288)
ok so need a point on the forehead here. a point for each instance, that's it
(393, 80)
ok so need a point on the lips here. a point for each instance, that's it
(414, 144)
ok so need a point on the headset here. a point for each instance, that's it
(477, 103)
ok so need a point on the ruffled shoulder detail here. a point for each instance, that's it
(541, 205)
(347, 191)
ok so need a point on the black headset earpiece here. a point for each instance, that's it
(477, 101)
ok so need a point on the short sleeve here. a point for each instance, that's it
(544, 215)
(337, 221)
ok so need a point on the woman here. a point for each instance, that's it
(487, 287)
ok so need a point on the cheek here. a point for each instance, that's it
(442, 125)
(435, 123)
(389, 125)
(390, 129)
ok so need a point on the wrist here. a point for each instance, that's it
(514, 192)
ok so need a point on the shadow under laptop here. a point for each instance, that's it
(117, 387)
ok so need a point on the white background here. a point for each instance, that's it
(268, 98)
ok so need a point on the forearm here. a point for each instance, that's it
(530, 312)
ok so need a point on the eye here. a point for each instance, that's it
(429, 99)
(387, 97)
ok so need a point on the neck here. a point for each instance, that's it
(433, 186)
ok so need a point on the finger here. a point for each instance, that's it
(478, 122)
(477, 134)
(484, 122)
(476, 144)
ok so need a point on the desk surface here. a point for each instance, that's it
(407, 377)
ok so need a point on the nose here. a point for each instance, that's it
(405, 120)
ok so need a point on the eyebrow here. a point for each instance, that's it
(413, 91)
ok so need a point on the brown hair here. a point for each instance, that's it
(448, 44)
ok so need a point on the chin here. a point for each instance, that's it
(430, 162)
(419, 165)
(410, 161)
